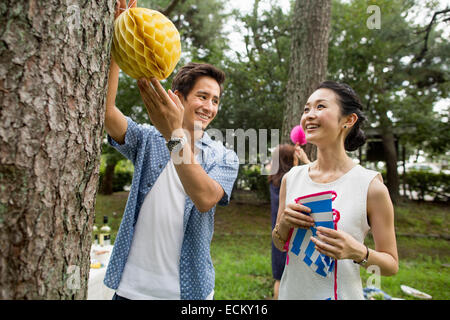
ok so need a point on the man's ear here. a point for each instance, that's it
(179, 94)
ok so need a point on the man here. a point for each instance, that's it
(162, 249)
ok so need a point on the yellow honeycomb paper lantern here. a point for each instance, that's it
(146, 44)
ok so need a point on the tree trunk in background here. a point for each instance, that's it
(390, 153)
(106, 185)
(107, 181)
(53, 77)
(309, 57)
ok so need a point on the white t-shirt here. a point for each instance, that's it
(152, 268)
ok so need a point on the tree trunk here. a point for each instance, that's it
(53, 77)
(308, 62)
(390, 153)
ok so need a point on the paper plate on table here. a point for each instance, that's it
(415, 293)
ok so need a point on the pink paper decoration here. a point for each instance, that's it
(298, 135)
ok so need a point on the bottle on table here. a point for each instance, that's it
(105, 233)
(95, 232)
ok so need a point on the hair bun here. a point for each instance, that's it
(355, 139)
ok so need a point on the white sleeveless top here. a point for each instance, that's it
(299, 281)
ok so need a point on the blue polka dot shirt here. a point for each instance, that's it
(146, 148)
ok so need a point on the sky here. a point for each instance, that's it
(245, 6)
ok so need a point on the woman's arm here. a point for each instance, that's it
(288, 217)
(380, 212)
(280, 236)
(338, 244)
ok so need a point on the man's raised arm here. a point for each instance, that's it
(115, 122)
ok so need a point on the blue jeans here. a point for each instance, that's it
(117, 297)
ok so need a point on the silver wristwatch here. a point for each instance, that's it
(175, 144)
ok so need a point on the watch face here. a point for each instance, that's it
(172, 143)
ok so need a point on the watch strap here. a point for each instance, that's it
(363, 261)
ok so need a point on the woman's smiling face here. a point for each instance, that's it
(322, 118)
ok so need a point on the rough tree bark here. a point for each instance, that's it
(54, 58)
(308, 62)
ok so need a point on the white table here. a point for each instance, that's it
(96, 289)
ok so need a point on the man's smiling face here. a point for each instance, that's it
(201, 104)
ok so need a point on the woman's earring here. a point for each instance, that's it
(345, 127)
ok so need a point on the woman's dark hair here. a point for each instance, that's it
(185, 79)
(285, 155)
(349, 103)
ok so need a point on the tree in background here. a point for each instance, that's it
(397, 91)
(256, 79)
(397, 82)
(53, 77)
(200, 23)
(308, 62)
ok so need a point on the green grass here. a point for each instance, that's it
(241, 248)
(425, 273)
(243, 267)
(422, 218)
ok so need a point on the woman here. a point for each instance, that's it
(331, 120)
(287, 156)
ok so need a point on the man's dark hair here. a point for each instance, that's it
(185, 79)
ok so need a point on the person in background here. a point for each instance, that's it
(288, 156)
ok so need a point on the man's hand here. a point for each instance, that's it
(164, 108)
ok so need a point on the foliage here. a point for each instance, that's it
(250, 177)
(200, 23)
(396, 84)
(123, 173)
(256, 79)
(424, 183)
(435, 185)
